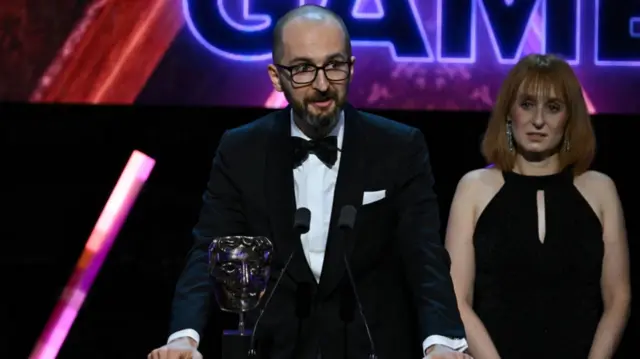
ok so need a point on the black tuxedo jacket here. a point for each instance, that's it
(400, 266)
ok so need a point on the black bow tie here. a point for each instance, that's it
(326, 149)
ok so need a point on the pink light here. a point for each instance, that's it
(276, 100)
(113, 215)
(590, 106)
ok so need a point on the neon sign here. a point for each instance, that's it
(244, 34)
(634, 27)
(624, 47)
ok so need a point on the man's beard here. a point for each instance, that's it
(320, 123)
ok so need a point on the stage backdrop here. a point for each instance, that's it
(411, 54)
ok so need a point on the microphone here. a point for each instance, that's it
(301, 221)
(346, 222)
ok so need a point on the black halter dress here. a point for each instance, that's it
(539, 299)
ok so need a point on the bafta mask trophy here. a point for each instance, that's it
(240, 267)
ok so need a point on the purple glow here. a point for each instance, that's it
(576, 61)
(389, 45)
(359, 11)
(634, 27)
(264, 20)
(578, 30)
(215, 50)
(364, 9)
(534, 38)
(322, 3)
(474, 37)
(494, 40)
(596, 51)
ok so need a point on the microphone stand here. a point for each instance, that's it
(346, 223)
(301, 221)
(252, 353)
(372, 355)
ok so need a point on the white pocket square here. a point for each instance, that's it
(375, 196)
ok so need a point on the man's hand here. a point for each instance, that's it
(183, 348)
(442, 352)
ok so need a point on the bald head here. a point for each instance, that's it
(306, 13)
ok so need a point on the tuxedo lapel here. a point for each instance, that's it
(280, 196)
(349, 189)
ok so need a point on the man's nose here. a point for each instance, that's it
(321, 83)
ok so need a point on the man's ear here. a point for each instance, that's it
(353, 61)
(274, 75)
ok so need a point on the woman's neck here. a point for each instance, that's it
(544, 167)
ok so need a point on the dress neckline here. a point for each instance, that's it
(564, 176)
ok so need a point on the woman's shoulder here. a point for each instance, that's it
(596, 183)
(599, 191)
(595, 178)
(479, 186)
(482, 178)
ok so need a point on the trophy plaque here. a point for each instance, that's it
(240, 267)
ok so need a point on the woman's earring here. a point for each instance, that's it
(567, 144)
(509, 136)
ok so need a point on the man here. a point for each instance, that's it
(262, 172)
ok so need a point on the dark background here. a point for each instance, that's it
(60, 163)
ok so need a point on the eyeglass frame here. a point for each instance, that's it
(289, 69)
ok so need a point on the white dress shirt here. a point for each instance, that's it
(314, 186)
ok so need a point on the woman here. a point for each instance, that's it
(537, 242)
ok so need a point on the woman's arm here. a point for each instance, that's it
(459, 243)
(615, 283)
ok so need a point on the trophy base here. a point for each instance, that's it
(235, 344)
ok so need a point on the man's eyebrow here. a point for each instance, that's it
(302, 59)
(337, 56)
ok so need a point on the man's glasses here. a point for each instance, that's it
(305, 74)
